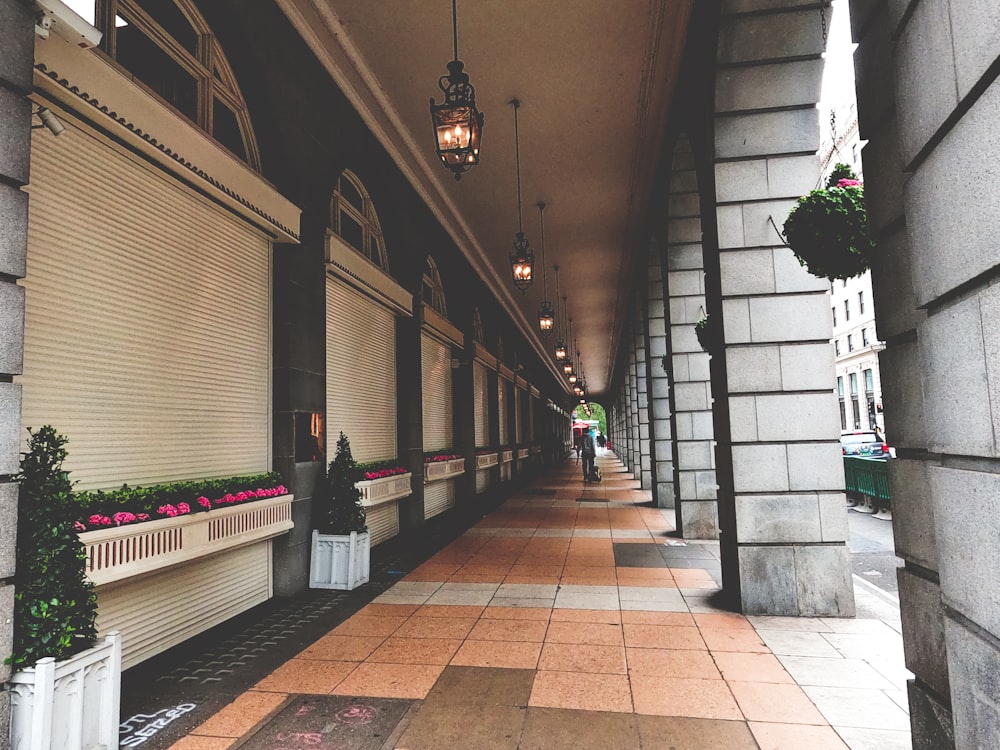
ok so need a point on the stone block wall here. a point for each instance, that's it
(784, 424)
(660, 410)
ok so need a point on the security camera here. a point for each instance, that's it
(49, 120)
(56, 16)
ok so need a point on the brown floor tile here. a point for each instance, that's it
(537, 570)
(412, 681)
(652, 574)
(388, 610)
(690, 576)
(507, 654)
(438, 574)
(447, 610)
(306, 676)
(729, 639)
(436, 627)
(723, 620)
(509, 630)
(780, 704)
(609, 616)
(672, 663)
(680, 733)
(192, 742)
(342, 648)
(477, 578)
(574, 580)
(783, 736)
(663, 636)
(553, 728)
(541, 614)
(368, 626)
(442, 726)
(573, 657)
(750, 667)
(677, 619)
(549, 580)
(240, 716)
(482, 686)
(675, 696)
(416, 651)
(588, 692)
(584, 633)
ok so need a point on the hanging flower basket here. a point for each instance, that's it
(828, 229)
(709, 334)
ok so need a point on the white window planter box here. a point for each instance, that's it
(339, 562)
(68, 705)
(522, 452)
(536, 449)
(506, 456)
(122, 552)
(437, 470)
(378, 491)
(486, 460)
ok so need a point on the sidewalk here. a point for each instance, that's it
(567, 618)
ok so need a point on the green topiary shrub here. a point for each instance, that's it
(338, 508)
(54, 604)
(828, 229)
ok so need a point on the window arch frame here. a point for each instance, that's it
(432, 283)
(366, 218)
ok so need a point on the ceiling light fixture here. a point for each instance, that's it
(458, 123)
(568, 362)
(560, 342)
(546, 317)
(522, 260)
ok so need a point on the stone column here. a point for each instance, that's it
(633, 383)
(17, 48)
(928, 101)
(661, 424)
(791, 524)
(698, 517)
(645, 459)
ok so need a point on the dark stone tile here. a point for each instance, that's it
(337, 721)
(678, 733)
(689, 550)
(592, 500)
(632, 555)
(553, 728)
(440, 726)
(482, 686)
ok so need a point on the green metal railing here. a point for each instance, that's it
(867, 476)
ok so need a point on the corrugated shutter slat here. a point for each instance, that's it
(481, 405)
(437, 400)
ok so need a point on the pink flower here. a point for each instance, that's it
(143, 516)
(123, 517)
(77, 526)
(204, 502)
(98, 520)
(849, 183)
(183, 508)
(167, 510)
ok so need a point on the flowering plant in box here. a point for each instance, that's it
(382, 469)
(103, 508)
(486, 451)
(433, 458)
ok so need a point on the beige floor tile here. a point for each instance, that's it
(751, 667)
(566, 657)
(785, 736)
(589, 692)
(731, 639)
(771, 703)
(663, 636)
(500, 612)
(640, 617)
(507, 654)
(723, 620)
(509, 630)
(608, 616)
(448, 610)
(673, 696)
(672, 663)
(587, 633)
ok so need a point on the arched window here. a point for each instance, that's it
(477, 327)
(167, 46)
(432, 289)
(353, 218)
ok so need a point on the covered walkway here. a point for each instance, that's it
(570, 617)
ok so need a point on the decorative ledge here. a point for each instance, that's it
(437, 470)
(506, 456)
(437, 324)
(347, 264)
(378, 491)
(483, 356)
(523, 452)
(127, 551)
(486, 460)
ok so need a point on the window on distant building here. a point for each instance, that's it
(864, 337)
(168, 47)
(847, 310)
(870, 397)
(836, 347)
(834, 310)
(353, 218)
(850, 342)
(855, 404)
(843, 408)
(861, 303)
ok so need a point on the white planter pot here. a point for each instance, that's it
(486, 460)
(378, 491)
(339, 562)
(436, 470)
(69, 705)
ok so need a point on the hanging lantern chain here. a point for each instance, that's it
(541, 221)
(517, 164)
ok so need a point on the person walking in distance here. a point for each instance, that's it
(587, 452)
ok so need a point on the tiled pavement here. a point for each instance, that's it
(568, 618)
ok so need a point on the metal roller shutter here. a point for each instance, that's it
(383, 522)
(147, 336)
(482, 481)
(360, 373)
(435, 359)
(438, 497)
(504, 420)
(479, 382)
(518, 428)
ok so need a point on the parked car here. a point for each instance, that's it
(863, 443)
